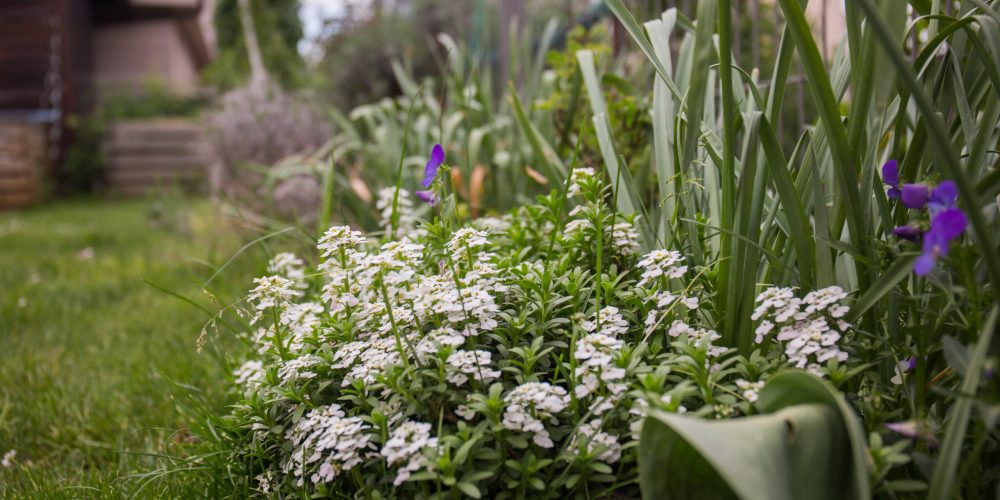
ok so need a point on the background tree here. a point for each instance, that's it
(279, 30)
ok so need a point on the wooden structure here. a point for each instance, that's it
(145, 155)
(57, 57)
(22, 163)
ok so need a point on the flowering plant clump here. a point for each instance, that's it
(501, 357)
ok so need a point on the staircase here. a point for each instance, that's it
(143, 156)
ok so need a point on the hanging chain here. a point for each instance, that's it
(51, 98)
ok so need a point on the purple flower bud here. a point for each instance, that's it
(911, 364)
(915, 195)
(890, 173)
(909, 233)
(431, 169)
(890, 176)
(427, 197)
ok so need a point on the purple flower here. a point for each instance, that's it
(909, 233)
(915, 429)
(890, 176)
(945, 226)
(431, 169)
(943, 197)
(915, 195)
(911, 364)
(427, 197)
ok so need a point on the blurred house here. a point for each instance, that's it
(57, 57)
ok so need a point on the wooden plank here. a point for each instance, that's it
(17, 200)
(22, 184)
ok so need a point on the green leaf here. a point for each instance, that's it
(897, 272)
(808, 444)
(469, 489)
(943, 480)
(543, 151)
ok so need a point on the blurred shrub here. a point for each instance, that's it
(253, 127)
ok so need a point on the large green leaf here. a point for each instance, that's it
(807, 444)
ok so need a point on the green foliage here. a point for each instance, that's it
(805, 444)
(278, 29)
(628, 109)
(95, 359)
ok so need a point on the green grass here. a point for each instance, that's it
(91, 356)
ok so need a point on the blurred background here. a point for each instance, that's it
(130, 97)
(154, 154)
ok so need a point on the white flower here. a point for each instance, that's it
(577, 227)
(750, 389)
(579, 177)
(299, 368)
(608, 449)
(8, 459)
(529, 405)
(406, 217)
(288, 265)
(611, 322)
(661, 264)
(805, 326)
(339, 239)
(492, 225)
(595, 352)
(763, 329)
(475, 364)
(326, 442)
(465, 242)
(271, 292)
(405, 446)
(625, 238)
(250, 374)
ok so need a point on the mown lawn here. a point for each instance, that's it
(92, 357)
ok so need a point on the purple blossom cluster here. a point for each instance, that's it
(947, 221)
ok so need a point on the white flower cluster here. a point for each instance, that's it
(529, 405)
(751, 390)
(464, 241)
(299, 368)
(338, 240)
(406, 216)
(607, 447)
(271, 292)
(366, 359)
(250, 374)
(492, 225)
(665, 305)
(609, 320)
(625, 238)
(595, 353)
(326, 443)
(475, 364)
(661, 264)
(809, 328)
(406, 445)
(579, 178)
(699, 338)
(288, 265)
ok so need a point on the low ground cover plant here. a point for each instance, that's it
(499, 357)
(532, 354)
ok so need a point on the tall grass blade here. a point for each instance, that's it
(940, 139)
(942, 486)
